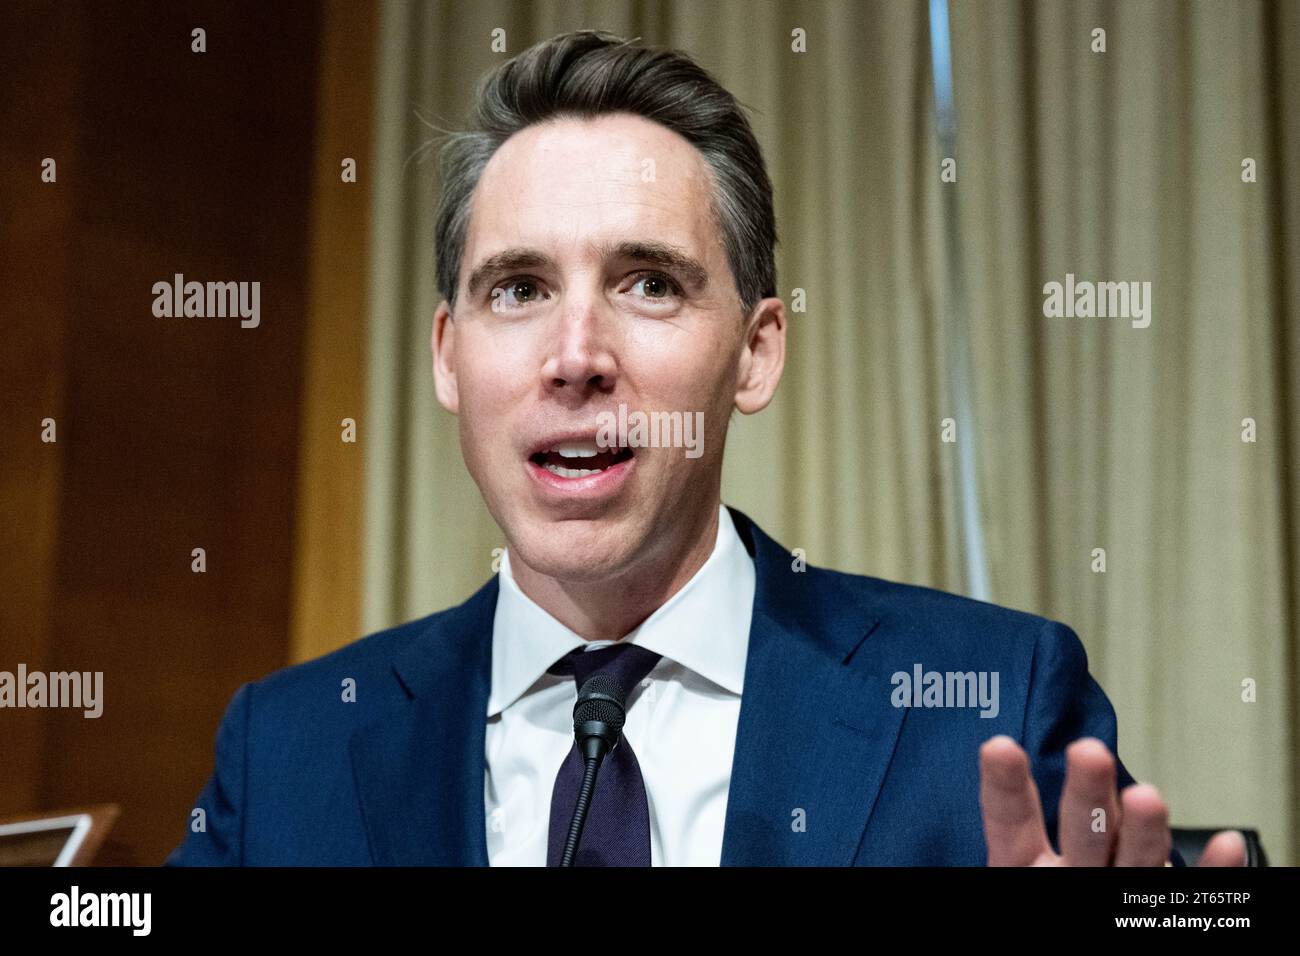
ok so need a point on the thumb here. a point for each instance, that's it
(1226, 848)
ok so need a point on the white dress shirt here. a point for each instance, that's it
(681, 721)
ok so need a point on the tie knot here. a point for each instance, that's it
(626, 663)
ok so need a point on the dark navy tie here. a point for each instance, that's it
(617, 828)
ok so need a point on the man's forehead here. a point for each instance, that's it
(615, 149)
(585, 181)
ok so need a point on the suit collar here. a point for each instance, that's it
(814, 739)
(704, 626)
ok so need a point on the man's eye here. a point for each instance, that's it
(515, 293)
(656, 286)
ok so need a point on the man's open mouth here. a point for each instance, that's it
(579, 459)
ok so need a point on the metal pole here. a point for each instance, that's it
(955, 312)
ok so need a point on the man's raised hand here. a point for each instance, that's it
(1135, 823)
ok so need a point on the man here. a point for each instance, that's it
(605, 250)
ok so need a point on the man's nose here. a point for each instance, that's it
(580, 359)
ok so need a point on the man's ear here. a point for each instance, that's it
(443, 345)
(762, 356)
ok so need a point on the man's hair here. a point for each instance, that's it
(589, 73)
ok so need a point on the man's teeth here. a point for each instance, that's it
(576, 451)
(579, 459)
(571, 472)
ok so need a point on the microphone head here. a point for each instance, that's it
(598, 716)
(601, 699)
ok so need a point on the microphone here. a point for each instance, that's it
(598, 719)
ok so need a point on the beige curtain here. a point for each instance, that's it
(1088, 433)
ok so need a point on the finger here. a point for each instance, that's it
(1144, 837)
(1226, 848)
(1089, 811)
(1013, 816)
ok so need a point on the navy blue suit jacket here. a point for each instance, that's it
(827, 769)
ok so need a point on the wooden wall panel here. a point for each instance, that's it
(174, 433)
(40, 49)
(327, 590)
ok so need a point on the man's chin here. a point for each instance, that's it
(576, 551)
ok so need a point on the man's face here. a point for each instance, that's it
(594, 276)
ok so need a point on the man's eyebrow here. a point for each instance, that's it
(505, 261)
(662, 254)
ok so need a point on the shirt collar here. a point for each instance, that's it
(704, 626)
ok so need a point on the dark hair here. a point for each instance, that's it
(589, 73)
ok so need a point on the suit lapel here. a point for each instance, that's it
(816, 729)
(419, 772)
